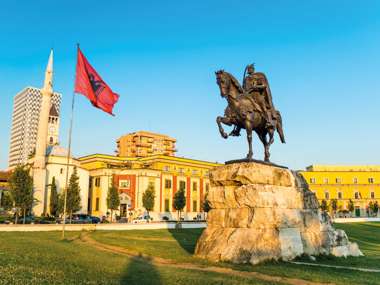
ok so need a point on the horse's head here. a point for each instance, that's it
(228, 84)
(224, 82)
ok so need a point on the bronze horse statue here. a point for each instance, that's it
(244, 113)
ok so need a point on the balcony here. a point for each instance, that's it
(142, 144)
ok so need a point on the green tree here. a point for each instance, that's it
(351, 206)
(375, 208)
(53, 199)
(73, 195)
(61, 201)
(113, 199)
(324, 207)
(371, 207)
(206, 204)
(179, 202)
(6, 201)
(148, 199)
(334, 205)
(21, 189)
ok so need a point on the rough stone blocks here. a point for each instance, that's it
(261, 212)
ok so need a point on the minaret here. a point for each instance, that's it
(39, 166)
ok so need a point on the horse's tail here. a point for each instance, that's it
(279, 127)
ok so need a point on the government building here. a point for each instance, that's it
(132, 176)
(360, 184)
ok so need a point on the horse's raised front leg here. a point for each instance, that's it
(235, 132)
(224, 120)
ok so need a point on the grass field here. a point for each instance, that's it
(42, 258)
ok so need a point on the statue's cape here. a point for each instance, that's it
(268, 93)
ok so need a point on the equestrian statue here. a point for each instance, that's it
(250, 107)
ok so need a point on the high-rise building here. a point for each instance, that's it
(143, 144)
(25, 117)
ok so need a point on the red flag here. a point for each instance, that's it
(90, 84)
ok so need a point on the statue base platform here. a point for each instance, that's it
(261, 212)
(255, 161)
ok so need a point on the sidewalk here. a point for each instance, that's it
(355, 220)
(99, 227)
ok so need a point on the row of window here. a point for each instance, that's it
(182, 185)
(126, 184)
(182, 170)
(357, 195)
(338, 180)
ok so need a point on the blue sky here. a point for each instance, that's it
(321, 58)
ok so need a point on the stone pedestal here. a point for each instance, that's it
(262, 212)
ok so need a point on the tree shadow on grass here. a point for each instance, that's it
(186, 238)
(140, 270)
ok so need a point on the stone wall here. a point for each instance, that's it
(262, 212)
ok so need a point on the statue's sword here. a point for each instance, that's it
(245, 72)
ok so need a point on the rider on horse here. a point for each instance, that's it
(256, 87)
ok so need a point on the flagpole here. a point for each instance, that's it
(67, 164)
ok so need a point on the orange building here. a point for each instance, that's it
(132, 177)
(143, 144)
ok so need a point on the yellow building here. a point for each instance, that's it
(143, 144)
(360, 184)
(132, 176)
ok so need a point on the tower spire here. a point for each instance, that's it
(39, 164)
(48, 83)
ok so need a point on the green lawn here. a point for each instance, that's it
(179, 245)
(42, 258)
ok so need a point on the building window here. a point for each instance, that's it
(181, 170)
(355, 180)
(207, 173)
(340, 195)
(167, 205)
(325, 180)
(312, 180)
(372, 195)
(168, 183)
(51, 140)
(327, 195)
(194, 206)
(97, 181)
(166, 168)
(182, 185)
(371, 180)
(338, 180)
(97, 204)
(124, 184)
(195, 186)
(61, 171)
(357, 195)
(194, 172)
(207, 187)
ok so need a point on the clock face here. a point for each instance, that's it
(52, 130)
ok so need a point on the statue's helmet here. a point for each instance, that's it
(251, 68)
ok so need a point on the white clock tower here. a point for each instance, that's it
(53, 126)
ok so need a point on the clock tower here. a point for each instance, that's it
(53, 126)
